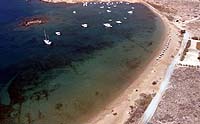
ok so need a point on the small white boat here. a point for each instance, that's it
(46, 40)
(132, 7)
(107, 25)
(74, 12)
(118, 22)
(109, 7)
(84, 25)
(127, 3)
(110, 20)
(114, 6)
(108, 11)
(101, 7)
(130, 12)
(58, 33)
(85, 4)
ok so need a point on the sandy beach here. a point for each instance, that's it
(131, 104)
(125, 108)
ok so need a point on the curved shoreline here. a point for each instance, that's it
(123, 101)
(127, 99)
(82, 1)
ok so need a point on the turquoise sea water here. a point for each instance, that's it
(84, 69)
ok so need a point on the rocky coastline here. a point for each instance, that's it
(28, 22)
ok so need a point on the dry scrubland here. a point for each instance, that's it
(185, 12)
(181, 102)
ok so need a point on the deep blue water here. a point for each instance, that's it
(82, 61)
(18, 45)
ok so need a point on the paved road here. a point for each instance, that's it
(155, 101)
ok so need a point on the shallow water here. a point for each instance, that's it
(84, 69)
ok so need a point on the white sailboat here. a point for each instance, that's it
(46, 40)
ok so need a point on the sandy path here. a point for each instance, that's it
(154, 103)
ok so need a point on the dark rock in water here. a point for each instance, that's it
(133, 63)
(58, 106)
(96, 93)
(16, 94)
(149, 44)
(29, 73)
(43, 94)
(5, 114)
(33, 21)
(85, 49)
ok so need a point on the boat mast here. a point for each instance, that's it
(45, 35)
